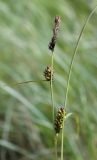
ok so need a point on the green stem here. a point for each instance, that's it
(51, 86)
(56, 139)
(52, 97)
(70, 70)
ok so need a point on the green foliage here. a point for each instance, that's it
(25, 110)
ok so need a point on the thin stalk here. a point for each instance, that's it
(52, 99)
(56, 140)
(51, 86)
(70, 70)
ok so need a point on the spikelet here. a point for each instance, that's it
(47, 73)
(52, 43)
(58, 125)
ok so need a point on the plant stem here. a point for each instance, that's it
(51, 86)
(56, 139)
(70, 70)
(52, 99)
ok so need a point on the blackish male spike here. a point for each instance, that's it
(52, 43)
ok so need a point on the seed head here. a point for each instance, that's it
(47, 73)
(59, 120)
(52, 43)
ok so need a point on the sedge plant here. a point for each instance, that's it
(61, 115)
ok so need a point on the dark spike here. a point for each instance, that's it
(52, 43)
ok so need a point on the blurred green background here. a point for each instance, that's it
(26, 110)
